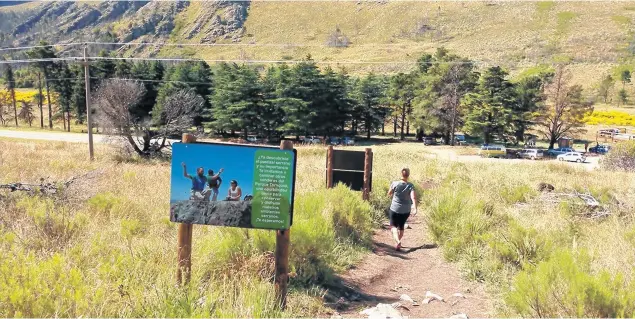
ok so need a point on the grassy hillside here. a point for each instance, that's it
(591, 35)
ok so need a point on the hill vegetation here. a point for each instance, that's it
(594, 36)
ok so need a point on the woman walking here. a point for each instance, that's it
(403, 202)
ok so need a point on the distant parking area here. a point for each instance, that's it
(458, 154)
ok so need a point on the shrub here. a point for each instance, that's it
(337, 39)
(517, 194)
(621, 157)
(563, 286)
(521, 247)
(54, 224)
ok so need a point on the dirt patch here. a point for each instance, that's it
(386, 274)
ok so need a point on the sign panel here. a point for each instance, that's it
(349, 160)
(348, 169)
(354, 180)
(232, 185)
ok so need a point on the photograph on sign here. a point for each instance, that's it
(232, 185)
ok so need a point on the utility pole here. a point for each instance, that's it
(88, 111)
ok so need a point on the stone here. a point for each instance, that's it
(219, 213)
(405, 297)
(382, 311)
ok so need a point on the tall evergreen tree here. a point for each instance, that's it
(78, 99)
(63, 85)
(237, 99)
(43, 51)
(370, 96)
(490, 108)
(442, 81)
(401, 93)
(151, 74)
(9, 79)
(196, 75)
(530, 98)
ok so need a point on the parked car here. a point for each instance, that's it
(492, 151)
(532, 154)
(312, 140)
(572, 157)
(429, 141)
(609, 132)
(459, 139)
(559, 151)
(348, 141)
(334, 140)
(600, 149)
(253, 139)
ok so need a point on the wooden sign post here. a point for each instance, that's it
(185, 239)
(329, 167)
(283, 240)
(368, 168)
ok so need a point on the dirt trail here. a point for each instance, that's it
(384, 275)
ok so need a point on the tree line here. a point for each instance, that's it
(444, 94)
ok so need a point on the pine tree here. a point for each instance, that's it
(195, 75)
(78, 99)
(401, 93)
(490, 108)
(442, 80)
(9, 79)
(63, 85)
(529, 92)
(370, 96)
(237, 99)
(43, 51)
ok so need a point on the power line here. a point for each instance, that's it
(40, 60)
(38, 46)
(284, 45)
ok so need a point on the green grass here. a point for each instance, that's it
(105, 247)
(623, 21)
(545, 6)
(491, 220)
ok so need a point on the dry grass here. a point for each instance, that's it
(124, 244)
(516, 35)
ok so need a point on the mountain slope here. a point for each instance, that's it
(518, 35)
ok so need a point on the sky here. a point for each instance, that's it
(238, 162)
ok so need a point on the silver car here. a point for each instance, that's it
(532, 154)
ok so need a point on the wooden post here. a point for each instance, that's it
(184, 249)
(329, 167)
(368, 168)
(283, 241)
(91, 152)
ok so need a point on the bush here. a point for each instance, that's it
(517, 194)
(521, 247)
(621, 157)
(563, 286)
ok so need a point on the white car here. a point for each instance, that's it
(312, 140)
(572, 157)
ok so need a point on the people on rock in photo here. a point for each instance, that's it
(234, 193)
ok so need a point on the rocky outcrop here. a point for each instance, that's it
(123, 21)
(220, 213)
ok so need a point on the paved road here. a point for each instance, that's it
(57, 136)
(52, 136)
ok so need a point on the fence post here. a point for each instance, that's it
(184, 245)
(283, 241)
(329, 167)
(368, 168)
